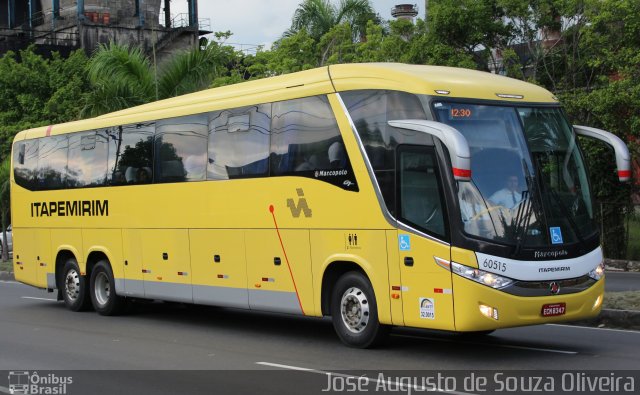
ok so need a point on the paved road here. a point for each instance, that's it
(622, 281)
(238, 351)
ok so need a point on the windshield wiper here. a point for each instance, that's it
(523, 215)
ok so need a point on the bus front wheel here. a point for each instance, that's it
(103, 292)
(354, 312)
(74, 287)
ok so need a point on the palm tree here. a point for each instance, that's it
(123, 76)
(317, 17)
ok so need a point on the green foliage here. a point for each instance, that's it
(318, 17)
(123, 76)
(35, 91)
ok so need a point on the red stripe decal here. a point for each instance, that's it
(49, 130)
(438, 290)
(275, 223)
(461, 172)
(624, 173)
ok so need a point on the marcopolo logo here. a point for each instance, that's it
(24, 382)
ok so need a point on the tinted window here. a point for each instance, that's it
(370, 110)
(239, 142)
(304, 130)
(25, 162)
(87, 159)
(52, 162)
(131, 153)
(419, 192)
(181, 148)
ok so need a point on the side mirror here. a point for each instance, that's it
(623, 159)
(455, 142)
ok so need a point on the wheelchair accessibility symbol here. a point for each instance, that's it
(556, 235)
(404, 242)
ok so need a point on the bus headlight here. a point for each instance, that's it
(598, 272)
(480, 276)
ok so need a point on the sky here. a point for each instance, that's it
(261, 22)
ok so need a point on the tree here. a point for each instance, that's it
(123, 76)
(318, 17)
(5, 203)
(36, 91)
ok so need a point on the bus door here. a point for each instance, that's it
(427, 298)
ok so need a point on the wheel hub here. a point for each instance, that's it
(354, 308)
(72, 285)
(102, 288)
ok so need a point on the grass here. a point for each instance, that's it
(6, 266)
(633, 249)
(628, 300)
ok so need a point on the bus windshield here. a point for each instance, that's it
(529, 185)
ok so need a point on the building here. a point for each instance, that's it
(66, 25)
(405, 11)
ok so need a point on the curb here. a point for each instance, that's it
(7, 276)
(618, 265)
(610, 318)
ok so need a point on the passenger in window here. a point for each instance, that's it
(144, 175)
(310, 163)
(118, 178)
(337, 155)
(130, 175)
(508, 196)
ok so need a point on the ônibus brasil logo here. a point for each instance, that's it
(32, 383)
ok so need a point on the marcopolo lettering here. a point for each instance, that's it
(71, 208)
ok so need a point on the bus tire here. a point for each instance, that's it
(354, 312)
(74, 287)
(103, 291)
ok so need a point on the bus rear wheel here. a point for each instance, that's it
(354, 312)
(103, 291)
(74, 287)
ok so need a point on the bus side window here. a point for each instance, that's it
(52, 162)
(303, 132)
(239, 142)
(25, 163)
(419, 190)
(130, 149)
(180, 145)
(87, 159)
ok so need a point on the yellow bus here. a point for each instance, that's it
(378, 194)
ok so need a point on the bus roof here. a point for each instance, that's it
(419, 79)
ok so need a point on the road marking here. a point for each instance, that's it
(5, 390)
(597, 329)
(383, 382)
(493, 345)
(9, 282)
(33, 297)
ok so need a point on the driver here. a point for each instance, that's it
(508, 196)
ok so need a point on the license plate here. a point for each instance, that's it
(552, 310)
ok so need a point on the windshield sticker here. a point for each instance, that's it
(427, 308)
(404, 242)
(556, 235)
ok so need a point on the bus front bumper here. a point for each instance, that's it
(480, 308)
